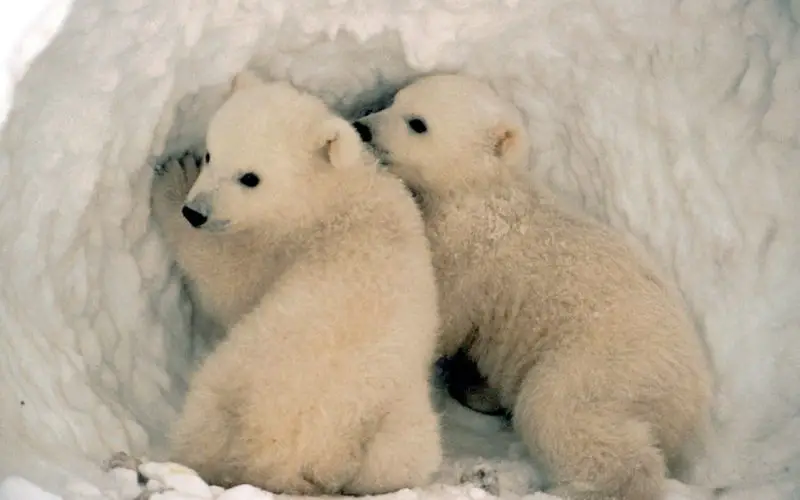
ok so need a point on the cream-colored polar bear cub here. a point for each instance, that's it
(586, 343)
(323, 387)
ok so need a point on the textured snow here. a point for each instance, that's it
(674, 120)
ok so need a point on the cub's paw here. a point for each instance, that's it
(175, 177)
(192, 165)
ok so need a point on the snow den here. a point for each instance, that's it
(676, 121)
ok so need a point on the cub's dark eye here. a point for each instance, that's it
(208, 157)
(417, 125)
(249, 179)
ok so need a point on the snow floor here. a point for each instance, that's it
(484, 460)
(675, 121)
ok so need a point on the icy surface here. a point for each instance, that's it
(674, 120)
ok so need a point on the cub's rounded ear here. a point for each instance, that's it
(340, 144)
(243, 80)
(508, 142)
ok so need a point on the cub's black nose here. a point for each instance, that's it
(194, 217)
(363, 131)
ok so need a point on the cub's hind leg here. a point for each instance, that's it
(592, 447)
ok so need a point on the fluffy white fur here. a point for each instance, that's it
(320, 386)
(676, 121)
(584, 340)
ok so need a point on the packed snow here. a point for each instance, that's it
(674, 121)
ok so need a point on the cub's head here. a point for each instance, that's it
(446, 132)
(268, 146)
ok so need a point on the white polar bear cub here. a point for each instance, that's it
(586, 343)
(323, 387)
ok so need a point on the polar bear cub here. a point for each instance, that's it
(323, 387)
(588, 346)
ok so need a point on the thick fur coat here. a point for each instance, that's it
(322, 388)
(586, 342)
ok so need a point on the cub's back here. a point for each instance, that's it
(541, 277)
(550, 252)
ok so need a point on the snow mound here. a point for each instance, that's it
(675, 121)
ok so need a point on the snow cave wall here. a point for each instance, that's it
(676, 121)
